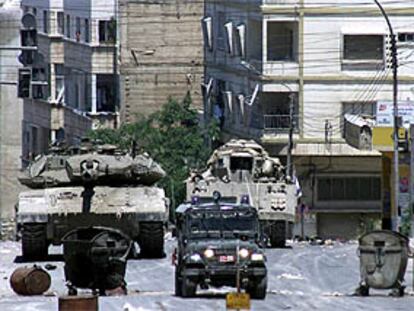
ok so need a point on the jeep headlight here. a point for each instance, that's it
(243, 253)
(209, 253)
(257, 257)
(195, 257)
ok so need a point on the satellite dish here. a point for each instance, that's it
(29, 20)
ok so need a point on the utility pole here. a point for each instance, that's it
(290, 140)
(411, 206)
(394, 62)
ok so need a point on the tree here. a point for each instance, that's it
(173, 137)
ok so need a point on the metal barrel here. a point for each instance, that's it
(72, 303)
(30, 281)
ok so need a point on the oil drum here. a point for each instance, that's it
(30, 280)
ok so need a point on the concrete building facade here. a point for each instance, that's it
(11, 114)
(161, 54)
(78, 42)
(325, 60)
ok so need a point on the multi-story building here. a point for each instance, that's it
(161, 54)
(324, 59)
(77, 41)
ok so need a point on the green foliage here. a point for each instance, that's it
(173, 137)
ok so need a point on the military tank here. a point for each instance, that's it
(243, 170)
(91, 185)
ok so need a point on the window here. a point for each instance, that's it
(275, 107)
(60, 23)
(87, 30)
(59, 82)
(220, 30)
(360, 108)
(349, 188)
(105, 95)
(363, 47)
(45, 21)
(68, 26)
(24, 79)
(77, 95)
(406, 37)
(39, 83)
(281, 41)
(107, 31)
(241, 163)
(34, 142)
(78, 29)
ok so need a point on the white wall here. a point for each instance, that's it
(11, 111)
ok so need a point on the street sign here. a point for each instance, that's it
(385, 110)
(238, 301)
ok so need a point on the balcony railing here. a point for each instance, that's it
(274, 122)
(279, 122)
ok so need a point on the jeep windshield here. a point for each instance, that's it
(222, 224)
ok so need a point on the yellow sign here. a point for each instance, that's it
(402, 133)
(238, 301)
(382, 137)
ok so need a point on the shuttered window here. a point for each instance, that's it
(349, 188)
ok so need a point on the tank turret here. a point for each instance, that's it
(102, 164)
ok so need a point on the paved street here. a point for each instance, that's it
(303, 277)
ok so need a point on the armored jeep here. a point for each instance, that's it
(244, 167)
(219, 244)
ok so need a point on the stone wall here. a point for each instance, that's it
(161, 54)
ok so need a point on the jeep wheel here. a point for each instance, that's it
(34, 242)
(188, 287)
(178, 284)
(258, 290)
(151, 240)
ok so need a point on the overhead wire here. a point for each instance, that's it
(326, 61)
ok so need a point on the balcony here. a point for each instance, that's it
(260, 126)
(279, 122)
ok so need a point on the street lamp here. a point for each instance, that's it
(394, 62)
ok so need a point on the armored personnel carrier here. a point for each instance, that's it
(93, 185)
(243, 168)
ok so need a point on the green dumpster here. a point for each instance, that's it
(383, 256)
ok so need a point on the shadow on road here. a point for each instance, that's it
(52, 257)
